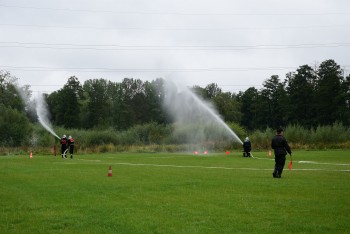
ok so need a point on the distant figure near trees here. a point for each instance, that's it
(247, 147)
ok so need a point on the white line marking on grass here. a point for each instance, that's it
(272, 159)
(312, 162)
(179, 166)
(158, 157)
(224, 168)
(90, 160)
(335, 164)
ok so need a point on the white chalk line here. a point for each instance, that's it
(313, 162)
(224, 168)
(180, 166)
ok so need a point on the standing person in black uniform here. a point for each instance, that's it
(71, 146)
(64, 146)
(247, 147)
(281, 148)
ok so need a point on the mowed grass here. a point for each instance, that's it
(175, 193)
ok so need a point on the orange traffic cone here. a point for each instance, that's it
(31, 155)
(270, 154)
(110, 171)
(228, 152)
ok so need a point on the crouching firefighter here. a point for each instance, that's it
(247, 147)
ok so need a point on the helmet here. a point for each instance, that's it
(64, 136)
(70, 137)
(247, 139)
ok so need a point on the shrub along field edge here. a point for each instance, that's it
(159, 138)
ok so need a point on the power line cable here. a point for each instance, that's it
(167, 28)
(65, 69)
(165, 47)
(176, 13)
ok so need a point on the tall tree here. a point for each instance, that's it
(249, 103)
(159, 95)
(329, 100)
(115, 92)
(153, 98)
(273, 103)
(15, 128)
(200, 92)
(96, 103)
(73, 93)
(64, 104)
(228, 107)
(301, 92)
(212, 90)
(133, 97)
(9, 96)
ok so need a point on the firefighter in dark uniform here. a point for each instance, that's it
(247, 147)
(281, 148)
(71, 146)
(64, 146)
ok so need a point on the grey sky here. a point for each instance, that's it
(236, 44)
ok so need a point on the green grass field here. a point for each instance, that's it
(175, 193)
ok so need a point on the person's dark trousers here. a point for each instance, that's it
(71, 150)
(63, 150)
(280, 161)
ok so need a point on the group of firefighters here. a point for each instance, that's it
(67, 144)
(278, 143)
(280, 146)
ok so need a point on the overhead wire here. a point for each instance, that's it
(67, 46)
(80, 69)
(177, 13)
(172, 28)
(116, 47)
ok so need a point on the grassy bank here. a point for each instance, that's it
(174, 193)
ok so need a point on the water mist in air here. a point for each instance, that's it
(43, 113)
(196, 121)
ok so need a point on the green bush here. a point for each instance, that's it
(335, 136)
(15, 128)
(153, 137)
(329, 134)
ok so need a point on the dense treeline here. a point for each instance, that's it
(308, 98)
(101, 104)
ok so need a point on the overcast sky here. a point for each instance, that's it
(236, 44)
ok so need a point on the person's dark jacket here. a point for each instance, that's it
(247, 146)
(70, 142)
(64, 143)
(280, 145)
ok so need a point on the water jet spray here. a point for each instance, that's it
(191, 112)
(42, 113)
